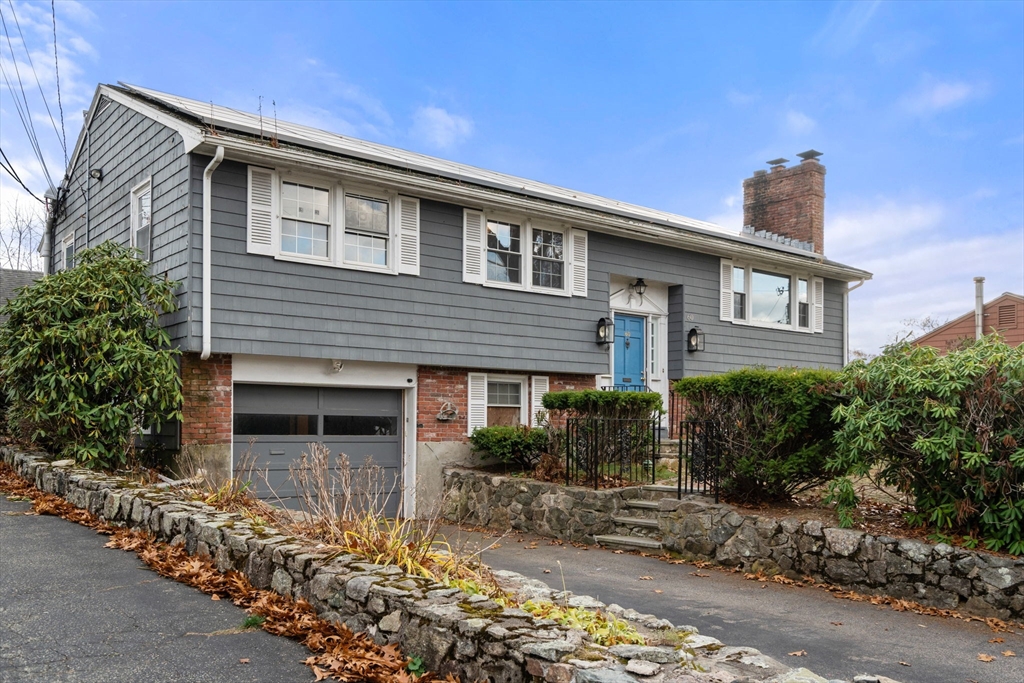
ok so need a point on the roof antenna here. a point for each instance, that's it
(259, 108)
(273, 141)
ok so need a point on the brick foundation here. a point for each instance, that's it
(440, 385)
(206, 409)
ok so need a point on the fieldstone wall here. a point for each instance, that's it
(938, 575)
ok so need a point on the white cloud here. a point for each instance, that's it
(437, 128)
(798, 123)
(844, 26)
(923, 264)
(934, 96)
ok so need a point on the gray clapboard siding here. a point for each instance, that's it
(270, 307)
(129, 147)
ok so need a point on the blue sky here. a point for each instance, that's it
(918, 107)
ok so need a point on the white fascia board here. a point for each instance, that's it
(472, 196)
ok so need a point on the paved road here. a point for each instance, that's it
(72, 610)
(775, 619)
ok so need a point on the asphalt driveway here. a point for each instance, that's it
(72, 610)
(841, 638)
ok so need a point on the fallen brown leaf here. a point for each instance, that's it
(836, 623)
(995, 640)
(1009, 653)
(646, 578)
(798, 653)
(904, 664)
(986, 658)
(244, 660)
(658, 590)
(703, 576)
(547, 571)
(215, 597)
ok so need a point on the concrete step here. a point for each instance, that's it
(665, 489)
(636, 521)
(629, 542)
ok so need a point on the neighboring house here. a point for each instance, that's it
(1004, 315)
(388, 303)
(11, 281)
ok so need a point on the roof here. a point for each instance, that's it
(209, 124)
(938, 331)
(11, 281)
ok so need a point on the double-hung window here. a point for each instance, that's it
(763, 298)
(504, 252)
(142, 219)
(367, 230)
(66, 255)
(305, 220)
(548, 259)
(504, 403)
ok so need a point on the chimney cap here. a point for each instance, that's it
(809, 154)
(777, 162)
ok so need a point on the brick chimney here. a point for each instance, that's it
(788, 201)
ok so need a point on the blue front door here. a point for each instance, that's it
(629, 350)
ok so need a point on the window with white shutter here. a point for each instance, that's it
(752, 295)
(538, 387)
(726, 302)
(408, 236)
(476, 413)
(818, 304)
(262, 219)
(472, 246)
(580, 271)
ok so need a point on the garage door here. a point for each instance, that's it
(364, 424)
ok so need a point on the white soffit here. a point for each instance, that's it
(245, 122)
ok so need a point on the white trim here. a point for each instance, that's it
(320, 372)
(794, 312)
(135, 193)
(524, 386)
(539, 385)
(527, 225)
(410, 460)
(476, 402)
(70, 237)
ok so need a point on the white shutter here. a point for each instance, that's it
(262, 225)
(473, 235)
(539, 387)
(476, 414)
(725, 310)
(818, 304)
(408, 236)
(578, 253)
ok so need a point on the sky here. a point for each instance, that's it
(918, 108)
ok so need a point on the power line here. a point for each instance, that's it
(24, 44)
(24, 112)
(56, 68)
(9, 168)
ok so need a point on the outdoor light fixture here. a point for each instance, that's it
(695, 340)
(96, 174)
(639, 287)
(605, 331)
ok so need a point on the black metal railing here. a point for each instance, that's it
(626, 387)
(700, 458)
(611, 451)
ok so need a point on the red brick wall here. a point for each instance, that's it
(788, 201)
(206, 410)
(438, 385)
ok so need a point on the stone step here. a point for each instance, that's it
(660, 488)
(636, 521)
(629, 542)
(643, 504)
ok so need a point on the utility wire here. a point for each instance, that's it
(39, 85)
(56, 68)
(24, 112)
(9, 168)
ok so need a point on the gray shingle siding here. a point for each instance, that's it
(270, 307)
(11, 281)
(129, 147)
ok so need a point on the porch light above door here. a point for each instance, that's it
(605, 331)
(639, 287)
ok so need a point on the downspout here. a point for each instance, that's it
(846, 320)
(207, 247)
(45, 248)
(979, 307)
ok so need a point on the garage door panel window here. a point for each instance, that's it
(276, 425)
(360, 425)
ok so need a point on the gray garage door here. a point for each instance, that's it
(362, 423)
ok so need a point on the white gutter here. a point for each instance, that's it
(207, 247)
(846, 320)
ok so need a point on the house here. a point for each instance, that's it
(1003, 315)
(388, 303)
(11, 281)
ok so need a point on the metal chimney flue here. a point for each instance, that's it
(979, 307)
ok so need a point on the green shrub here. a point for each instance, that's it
(777, 435)
(517, 444)
(949, 430)
(83, 360)
(595, 403)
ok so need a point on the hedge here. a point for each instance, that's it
(775, 425)
(595, 403)
(517, 444)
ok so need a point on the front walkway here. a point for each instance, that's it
(841, 638)
(72, 610)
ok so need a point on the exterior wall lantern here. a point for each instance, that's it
(605, 331)
(695, 340)
(639, 287)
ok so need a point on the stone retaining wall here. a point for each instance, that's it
(938, 575)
